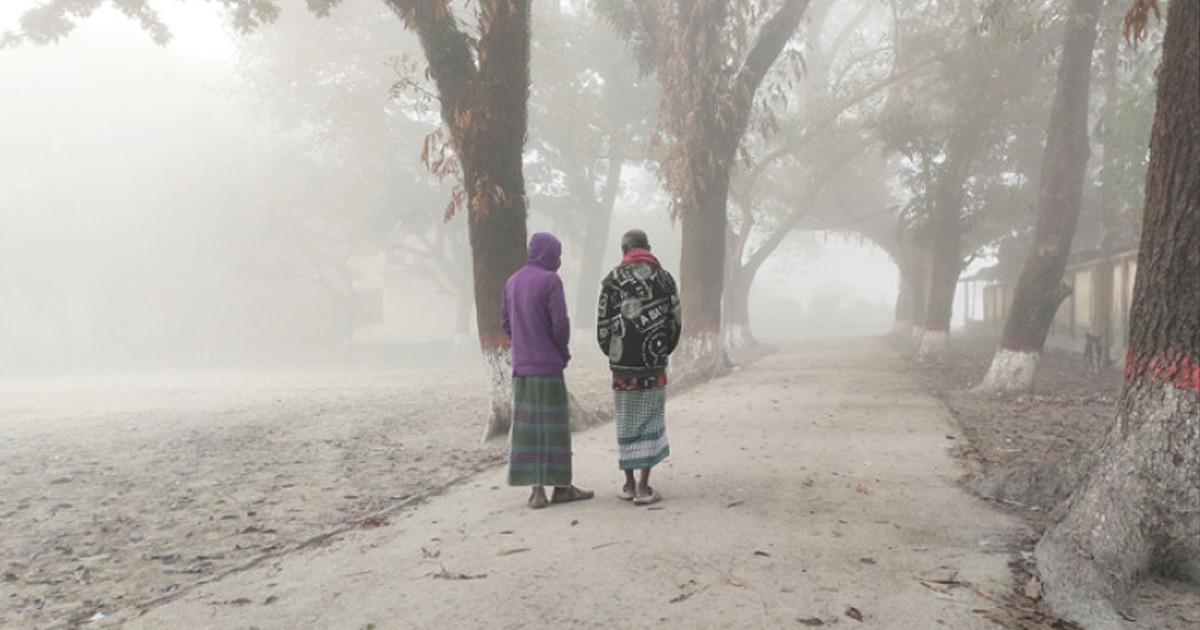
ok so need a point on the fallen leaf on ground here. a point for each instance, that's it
(678, 598)
(736, 581)
(1033, 588)
(811, 621)
(854, 614)
(762, 553)
(509, 552)
(371, 523)
(451, 575)
(241, 601)
(861, 489)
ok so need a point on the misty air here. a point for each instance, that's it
(599, 313)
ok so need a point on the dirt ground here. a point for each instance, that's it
(118, 491)
(1027, 451)
(125, 494)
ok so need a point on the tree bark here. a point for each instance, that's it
(1040, 288)
(485, 106)
(945, 254)
(1139, 509)
(713, 116)
(912, 296)
(972, 122)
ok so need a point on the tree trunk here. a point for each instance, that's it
(1109, 203)
(913, 293)
(945, 258)
(1040, 288)
(595, 242)
(1139, 509)
(496, 189)
(973, 119)
(711, 115)
(485, 107)
(702, 269)
(738, 335)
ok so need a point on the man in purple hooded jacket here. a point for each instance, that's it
(534, 316)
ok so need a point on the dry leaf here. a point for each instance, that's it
(678, 598)
(861, 489)
(736, 581)
(241, 601)
(509, 552)
(811, 621)
(762, 553)
(854, 614)
(371, 523)
(450, 575)
(1033, 588)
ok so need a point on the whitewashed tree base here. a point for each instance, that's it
(935, 344)
(1011, 371)
(498, 363)
(738, 337)
(1138, 506)
(699, 358)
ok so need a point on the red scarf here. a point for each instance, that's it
(637, 254)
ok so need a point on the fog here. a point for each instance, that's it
(156, 211)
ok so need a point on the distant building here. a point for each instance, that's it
(1102, 289)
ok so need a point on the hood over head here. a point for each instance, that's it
(545, 251)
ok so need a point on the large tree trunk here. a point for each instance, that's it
(973, 120)
(945, 258)
(710, 115)
(485, 108)
(1139, 510)
(496, 191)
(913, 294)
(1040, 288)
(702, 270)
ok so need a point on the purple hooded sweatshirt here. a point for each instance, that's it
(534, 312)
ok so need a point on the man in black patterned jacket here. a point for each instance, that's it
(638, 326)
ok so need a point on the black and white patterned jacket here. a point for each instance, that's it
(638, 316)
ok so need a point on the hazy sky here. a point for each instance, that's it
(109, 114)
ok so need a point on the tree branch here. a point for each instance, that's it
(771, 40)
(447, 49)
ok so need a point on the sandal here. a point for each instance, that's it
(535, 502)
(624, 494)
(653, 497)
(574, 494)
